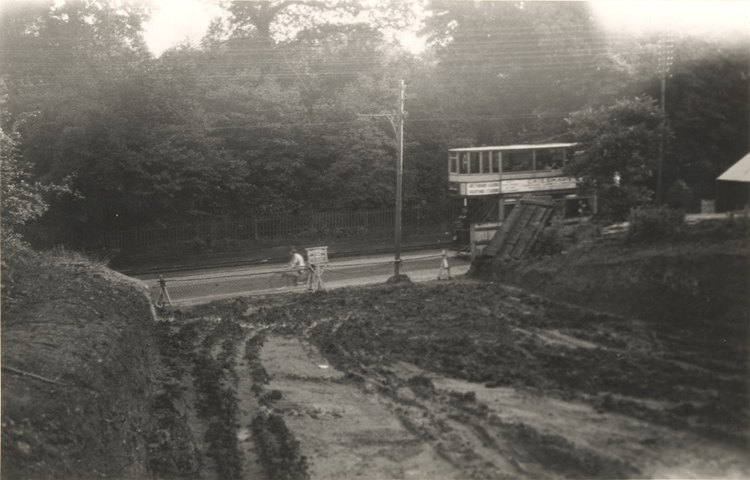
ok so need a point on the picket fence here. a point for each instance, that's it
(313, 225)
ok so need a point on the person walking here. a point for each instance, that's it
(295, 269)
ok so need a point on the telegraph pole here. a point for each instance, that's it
(666, 56)
(397, 122)
(399, 179)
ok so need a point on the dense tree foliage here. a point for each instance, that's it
(618, 150)
(265, 116)
(22, 199)
(707, 103)
(516, 69)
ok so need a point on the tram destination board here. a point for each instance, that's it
(538, 184)
(483, 188)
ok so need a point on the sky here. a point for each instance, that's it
(716, 17)
(177, 21)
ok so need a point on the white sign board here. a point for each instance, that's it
(483, 188)
(317, 255)
(538, 184)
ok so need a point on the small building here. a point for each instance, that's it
(733, 187)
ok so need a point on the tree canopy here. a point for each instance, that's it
(618, 150)
(263, 117)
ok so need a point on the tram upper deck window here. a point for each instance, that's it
(495, 161)
(517, 161)
(549, 159)
(463, 164)
(475, 163)
(453, 162)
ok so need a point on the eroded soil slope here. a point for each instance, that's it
(453, 380)
(78, 370)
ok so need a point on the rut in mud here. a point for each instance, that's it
(445, 380)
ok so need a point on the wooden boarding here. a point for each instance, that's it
(480, 235)
(518, 233)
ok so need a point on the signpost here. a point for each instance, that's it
(317, 257)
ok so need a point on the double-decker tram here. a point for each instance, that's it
(489, 181)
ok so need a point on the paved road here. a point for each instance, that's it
(194, 287)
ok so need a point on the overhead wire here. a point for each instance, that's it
(553, 61)
(484, 66)
(359, 121)
(365, 58)
(481, 31)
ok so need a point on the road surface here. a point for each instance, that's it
(201, 286)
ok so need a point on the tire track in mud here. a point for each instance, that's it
(377, 425)
(467, 434)
(221, 395)
(247, 405)
(331, 389)
(345, 427)
(275, 451)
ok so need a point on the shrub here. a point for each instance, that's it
(737, 226)
(550, 241)
(654, 223)
(616, 202)
(679, 195)
(732, 227)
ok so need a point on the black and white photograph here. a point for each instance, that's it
(374, 239)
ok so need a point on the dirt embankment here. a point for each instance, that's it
(458, 379)
(78, 370)
(701, 287)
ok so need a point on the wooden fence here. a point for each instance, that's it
(314, 225)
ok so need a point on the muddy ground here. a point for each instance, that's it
(454, 379)
(634, 364)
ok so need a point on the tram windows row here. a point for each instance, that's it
(520, 161)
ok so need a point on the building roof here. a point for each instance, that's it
(739, 172)
(512, 147)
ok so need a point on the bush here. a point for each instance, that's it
(550, 241)
(679, 195)
(617, 202)
(736, 226)
(654, 223)
(732, 227)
